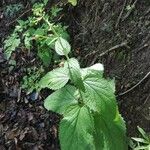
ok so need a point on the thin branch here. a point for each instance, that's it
(120, 15)
(132, 88)
(124, 44)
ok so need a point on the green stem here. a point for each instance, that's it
(56, 34)
(80, 101)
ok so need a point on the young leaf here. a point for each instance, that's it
(55, 79)
(62, 47)
(76, 129)
(75, 74)
(143, 133)
(73, 2)
(99, 96)
(61, 99)
(140, 140)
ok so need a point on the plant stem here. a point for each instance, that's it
(80, 101)
(56, 34)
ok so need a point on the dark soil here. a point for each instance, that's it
(93, 25)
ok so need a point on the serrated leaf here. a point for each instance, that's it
(99, 96)
(11, 44)
(55, 79)
(45, 55)
(75, 74)
(76, 129)
(73, 2)
(62, 47)
(61, 99)
(112, 133)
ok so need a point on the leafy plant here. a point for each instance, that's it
(12, 9)
(142, 143)
(91, 119)
(36, 32)
(11, 43)
(31, 79)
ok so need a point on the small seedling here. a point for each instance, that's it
(142, 143)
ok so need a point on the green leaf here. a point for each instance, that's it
(51, 40)
(142, 148)
(75, 74)
(99, 96)
(96, 70)
(111, 133)
(76, 129)
(62, 47)
(55, 10)
(143, 133)
(73, 2)
(27, 41)
(55, 79)
(61, 99)
(140, 140)
(45, 55)
(11, 43)
(39, 32)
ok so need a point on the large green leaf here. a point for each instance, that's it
(74, 72)
(62, 47)
(61, 99)
(99, 96)
(55, 79)
(111, 133)
(76, 129)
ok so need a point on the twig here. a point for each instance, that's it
(8, 24)
(142, 47)
(132, 88)
(147, 12)
(124, 44)
(120, 15)
(130, 11)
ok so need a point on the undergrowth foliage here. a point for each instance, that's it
(35, 32)
(85, 99)
(87, 102)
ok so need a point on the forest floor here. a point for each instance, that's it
(115, 33)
